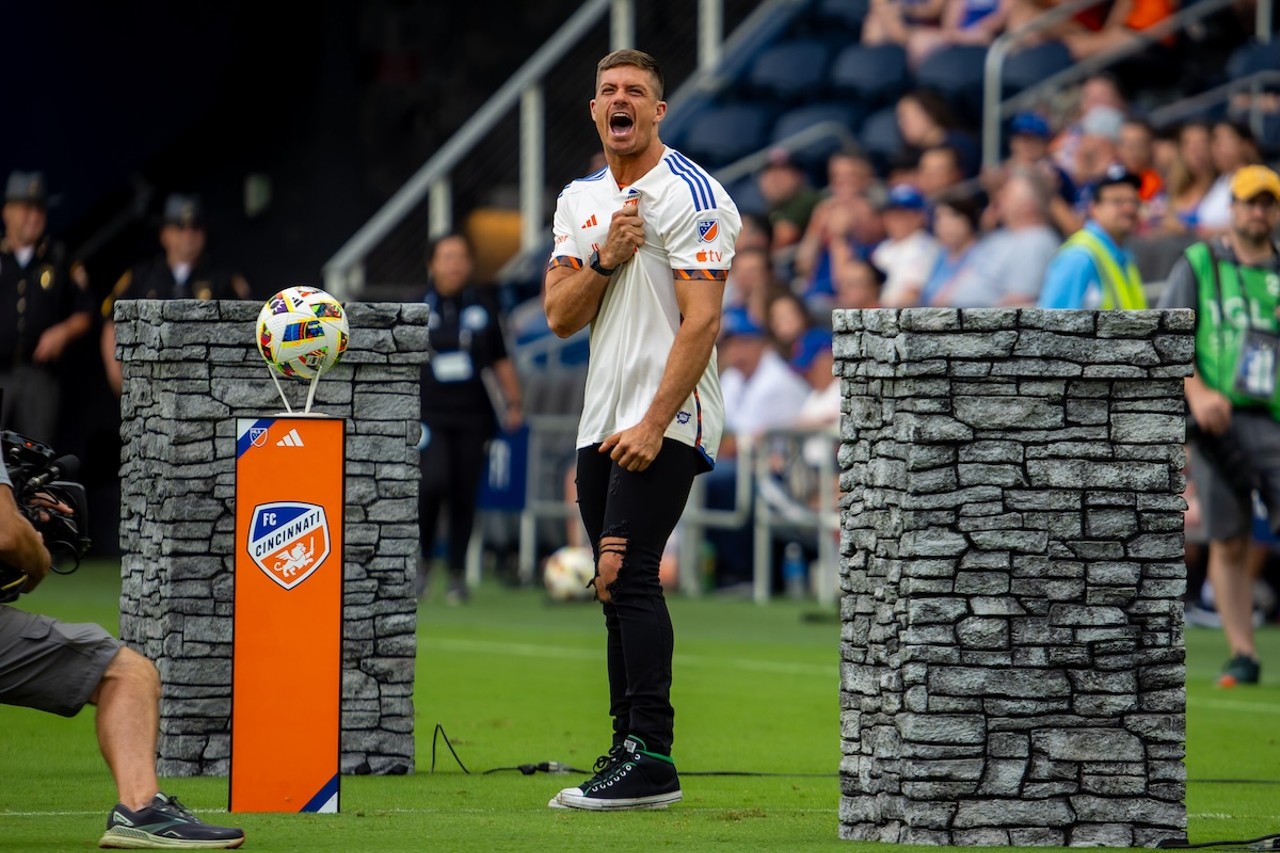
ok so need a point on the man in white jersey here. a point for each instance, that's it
(642, 250)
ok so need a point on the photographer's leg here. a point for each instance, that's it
(1233, 591)
(128, 702)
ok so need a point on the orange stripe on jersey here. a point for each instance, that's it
(564, 261)
(702, 275)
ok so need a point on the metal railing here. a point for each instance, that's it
(995, 110)
(344, 273)
(1198, 103)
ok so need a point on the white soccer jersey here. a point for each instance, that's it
(690, 227)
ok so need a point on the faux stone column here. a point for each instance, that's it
(190, 369)
(1012, 569)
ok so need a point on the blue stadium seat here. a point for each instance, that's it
(792, 71)
(1253, 57)
(873, 76)
(746, 195)
(1030, 66)
(846, 14)
(881, 138)
(956, 73)
(812, 157)
(719, 135)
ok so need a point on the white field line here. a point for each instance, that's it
(533, 650)
(1233, 705)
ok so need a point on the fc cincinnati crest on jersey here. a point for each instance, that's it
(708, 230)
(288, 540)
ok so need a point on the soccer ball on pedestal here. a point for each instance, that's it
(302, 332)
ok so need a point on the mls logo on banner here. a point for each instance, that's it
(288, 541)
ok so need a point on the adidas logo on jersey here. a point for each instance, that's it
(291, 439)
(591, 222)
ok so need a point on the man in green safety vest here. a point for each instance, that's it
(1092, 268)
(1233, 283)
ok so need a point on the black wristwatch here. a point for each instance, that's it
(598, 267)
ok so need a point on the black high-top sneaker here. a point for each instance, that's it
(633, 778)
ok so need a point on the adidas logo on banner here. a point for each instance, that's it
(291, 439)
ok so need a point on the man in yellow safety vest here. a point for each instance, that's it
(1092, 268)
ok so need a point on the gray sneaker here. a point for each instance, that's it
(165, 824)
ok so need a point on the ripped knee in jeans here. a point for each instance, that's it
(613, 552)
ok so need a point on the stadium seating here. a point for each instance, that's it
(1253, 57)
(880, 137)
(845, 15)
(1033, 64)
(719, 135)
(872, 76)
(956, 73)
(791, 72)
(812, 157)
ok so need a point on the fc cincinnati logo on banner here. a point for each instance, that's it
(288, 540)
(708, 230)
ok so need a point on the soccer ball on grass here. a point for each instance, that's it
(302, 332)
(568, 573)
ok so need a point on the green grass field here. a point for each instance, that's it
(516, 680)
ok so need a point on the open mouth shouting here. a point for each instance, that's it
(621, 124)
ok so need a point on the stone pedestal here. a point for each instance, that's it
(190, 369)
(1012, 568)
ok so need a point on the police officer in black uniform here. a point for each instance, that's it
(45, 305)
(182, 272)
(469, 368)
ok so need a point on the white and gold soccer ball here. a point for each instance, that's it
(302, 332)
(568, 573)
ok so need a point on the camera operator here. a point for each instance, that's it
(59, 667)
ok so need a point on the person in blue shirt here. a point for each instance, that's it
(1093, 269)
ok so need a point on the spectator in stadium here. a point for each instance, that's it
(787, 321)
(1098, 90)
(846, 220)
(469, 380)
(1099, 144)
(1093, 269)
(938, 170)
(58, 667)
(1008, 265)
(790, 198)
(925, 121)
(1124, 20)
(1029, 135)
(761, 393)
(750, 283)
(973, 22)
(893, 21)
(182, 271)
(1232, 147)
(1236, 410)
(1190, 177)
(46, 306)
(1136, 153)
(858, 284)
(955, 225)
(909, 251)
(647, 275)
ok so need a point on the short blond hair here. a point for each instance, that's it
(636, 58)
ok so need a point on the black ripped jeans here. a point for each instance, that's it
(641, 508)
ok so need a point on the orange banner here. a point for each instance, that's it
(286, 683)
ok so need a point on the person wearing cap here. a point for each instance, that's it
(1029, 137)
(183, 271)
(1233, 283)
(791, 200)
(1093, 269)
(46, 307)
(909, 252)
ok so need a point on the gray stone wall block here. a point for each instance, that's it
(1011, 571)
(177, 514)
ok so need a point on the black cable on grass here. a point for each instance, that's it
(1262, 842)
(557, 767)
